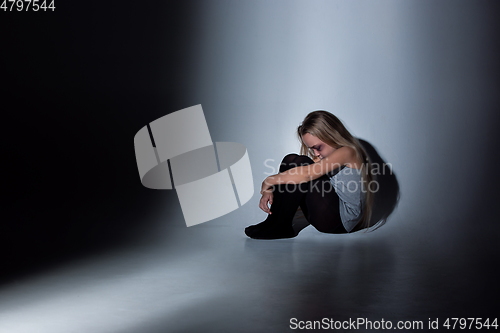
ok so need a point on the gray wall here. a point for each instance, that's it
(416, 79)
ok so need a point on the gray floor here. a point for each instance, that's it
(211, 278)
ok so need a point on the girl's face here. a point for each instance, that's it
(319, 148)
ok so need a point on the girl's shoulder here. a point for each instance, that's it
(352, 159)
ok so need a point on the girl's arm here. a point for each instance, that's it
(306, 173)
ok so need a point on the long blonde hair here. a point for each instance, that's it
(329, 129)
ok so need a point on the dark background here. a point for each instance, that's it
(76, 85)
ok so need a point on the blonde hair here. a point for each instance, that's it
(329, 129)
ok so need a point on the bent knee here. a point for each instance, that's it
(289, 158)
(294, 160)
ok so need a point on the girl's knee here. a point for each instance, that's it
(303, 159)
(287, 162)
(289, 158)
(296, 159)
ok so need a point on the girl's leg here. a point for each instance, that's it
(317, 198)
(286, 199)
(321, 207)
(321, 204)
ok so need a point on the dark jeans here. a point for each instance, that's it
(317, 199)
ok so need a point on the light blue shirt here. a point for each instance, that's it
(349, 187)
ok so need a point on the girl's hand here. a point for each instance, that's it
(267, 196)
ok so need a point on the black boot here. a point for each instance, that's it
(278, 224)
(286, 200)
